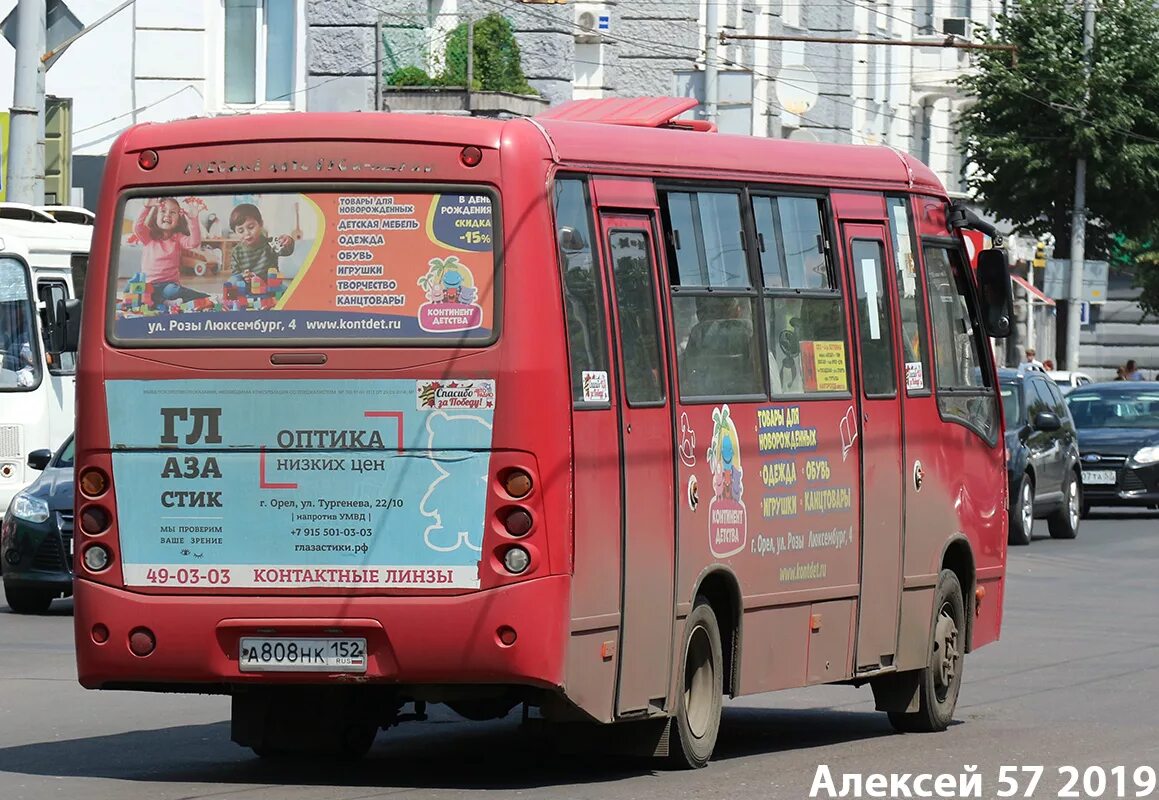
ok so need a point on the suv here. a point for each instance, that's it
(1042, 456)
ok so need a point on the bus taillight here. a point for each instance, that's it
(517, 522)
(97, 558)
(471, 156)
(516, 560)
(517, 483)
(93, 482)
(94, 520)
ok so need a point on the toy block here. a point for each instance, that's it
(136, 287)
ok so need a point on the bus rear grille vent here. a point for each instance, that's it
(9, 441)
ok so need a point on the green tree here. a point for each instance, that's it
(1029, 122)
(497, 66)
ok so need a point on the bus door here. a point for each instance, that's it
(881, 446)
(646, 453)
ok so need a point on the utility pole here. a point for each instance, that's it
(26, 133)
(1078, 224)
(711, 41)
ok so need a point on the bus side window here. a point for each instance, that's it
(713, 299)
(582, 292)
(803, 312)
(959, 371)
(913, 329)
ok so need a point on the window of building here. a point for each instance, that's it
(260, 51)
(582, 295)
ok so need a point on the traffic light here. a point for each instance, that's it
(1040, 255)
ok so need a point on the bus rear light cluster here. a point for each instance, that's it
(97, 558)
(100, 633)
(93, 482)
(94, 520)
(148, 159)
(516, 560)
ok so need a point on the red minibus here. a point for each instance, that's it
(604, 414)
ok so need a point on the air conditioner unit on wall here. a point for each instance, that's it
(957, 26)
(592, 21)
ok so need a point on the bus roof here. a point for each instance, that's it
(656, 150)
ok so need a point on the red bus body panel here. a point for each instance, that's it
(796, 615)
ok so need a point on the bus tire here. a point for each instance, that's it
(1022, 513)
(1064, 523)
(699, 690)
(27, 601)
(940, 681)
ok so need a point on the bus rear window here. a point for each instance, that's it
(299, 268)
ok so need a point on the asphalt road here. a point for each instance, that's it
(1074, 682)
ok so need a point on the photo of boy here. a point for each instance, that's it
(255, 251)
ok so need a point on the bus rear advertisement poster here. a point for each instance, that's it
(288, 266)
(315, 486)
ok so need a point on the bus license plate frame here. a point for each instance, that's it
(330, 654)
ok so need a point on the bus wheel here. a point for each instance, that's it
(940, 681)
(700, 689)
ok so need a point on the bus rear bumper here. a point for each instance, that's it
(410, 640)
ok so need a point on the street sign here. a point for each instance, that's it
(60, 24)
(1084, 313)
(1056, 283)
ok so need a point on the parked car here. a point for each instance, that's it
(1042, 456)
(1067, 382)
(1118, 425)
(36, 536)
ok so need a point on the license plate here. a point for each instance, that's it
(302, 655)
(1100, 477)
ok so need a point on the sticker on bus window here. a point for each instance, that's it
(595, 383)
(914, 376)
(823, 366)
(292, 267)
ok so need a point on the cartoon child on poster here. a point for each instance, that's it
(728, 528)
(451, 297)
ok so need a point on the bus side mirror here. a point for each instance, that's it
(996, 294)
(64, 321)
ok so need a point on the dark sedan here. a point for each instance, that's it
(1118, 427)
(36, 535)
(1042, 456)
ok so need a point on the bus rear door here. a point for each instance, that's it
(646, 453)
